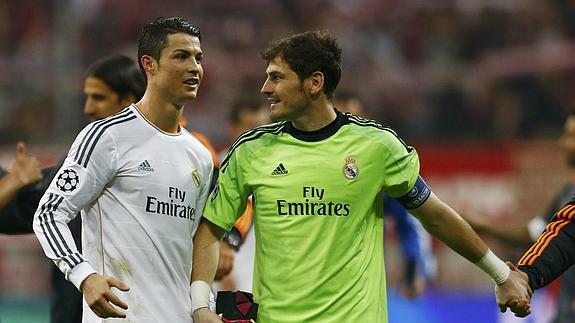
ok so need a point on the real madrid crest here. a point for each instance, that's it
(196, 177)
(350, 169)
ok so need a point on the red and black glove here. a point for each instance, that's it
(236, 307)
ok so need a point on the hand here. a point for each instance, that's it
(226, 260)
(514, 293)
(414, 289)
(98, 295)
(25, 167)
(204, 315)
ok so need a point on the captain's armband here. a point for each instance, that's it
(416, 196)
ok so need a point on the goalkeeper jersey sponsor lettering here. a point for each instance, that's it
(317, 215)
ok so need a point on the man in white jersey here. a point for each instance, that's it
(140, 181)
(316, 178)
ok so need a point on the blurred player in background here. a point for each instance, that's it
(316, 176)
(524, 234)
(419, 262)
(548, 258)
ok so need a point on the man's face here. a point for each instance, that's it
(285, 93)
(101, 100)
(567, 140)
(179, 71)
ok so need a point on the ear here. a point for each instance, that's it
(149, 64)
(316, 83)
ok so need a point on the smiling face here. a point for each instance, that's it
(178, 73)
(285, 92)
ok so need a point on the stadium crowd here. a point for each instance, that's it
(437, 69)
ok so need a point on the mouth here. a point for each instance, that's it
(273, 101)
(192, 82)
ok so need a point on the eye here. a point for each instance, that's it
(199, 58)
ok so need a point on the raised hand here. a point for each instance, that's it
(25, 167)
(515, 293)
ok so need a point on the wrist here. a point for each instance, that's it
(200, 295)
(494, 267)
(233, 238)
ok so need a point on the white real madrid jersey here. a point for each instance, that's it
(140, 192)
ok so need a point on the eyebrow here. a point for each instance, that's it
(274, 72)
(185, 51)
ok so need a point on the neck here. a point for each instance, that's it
(317, 116)
(164, 115)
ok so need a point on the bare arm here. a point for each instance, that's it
(204, 265)
(444, 223)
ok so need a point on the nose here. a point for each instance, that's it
(194, 66)
(88, 107)
(266, 87)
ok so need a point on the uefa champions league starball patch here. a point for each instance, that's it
(68, 180)
(350, 169)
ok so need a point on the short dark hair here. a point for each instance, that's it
(120, 73)
(243, 103)
(310, 52)
(154, 36)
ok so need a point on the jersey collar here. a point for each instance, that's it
(320, 134)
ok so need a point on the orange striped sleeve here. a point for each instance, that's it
(208, 145)
(244, 222)
(563, 217)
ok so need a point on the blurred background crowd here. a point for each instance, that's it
(482, 86)
(434, 69)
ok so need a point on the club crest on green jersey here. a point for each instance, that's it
(196, 177)
(350, 169)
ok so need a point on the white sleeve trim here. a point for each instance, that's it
(79, 273)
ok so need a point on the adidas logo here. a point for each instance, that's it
(280, 170)
(145, 166)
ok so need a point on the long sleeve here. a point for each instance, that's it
(91, 163)
(554, 251)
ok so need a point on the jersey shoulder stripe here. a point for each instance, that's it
(362, 122)
(250, 135)
(95, 132)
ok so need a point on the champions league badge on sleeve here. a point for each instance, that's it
(350, 169)
(67, 180)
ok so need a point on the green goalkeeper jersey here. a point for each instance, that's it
(318, 215)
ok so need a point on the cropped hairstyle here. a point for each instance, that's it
(154, 36)
(309, 52)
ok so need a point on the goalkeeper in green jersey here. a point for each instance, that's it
(316, 176)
